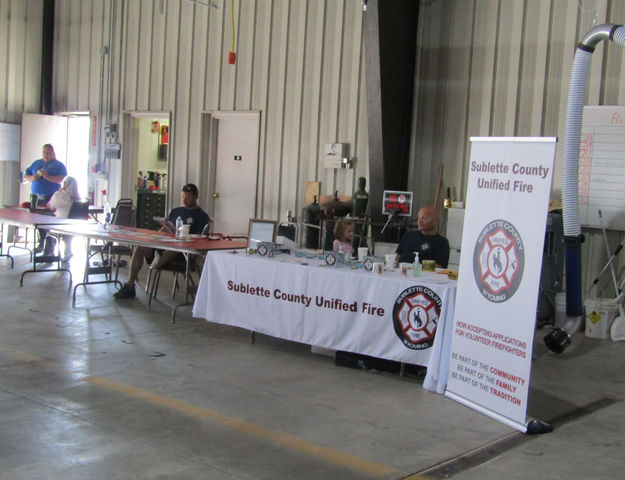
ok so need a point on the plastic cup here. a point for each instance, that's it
(185, 230)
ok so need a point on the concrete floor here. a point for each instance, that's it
(113, 390)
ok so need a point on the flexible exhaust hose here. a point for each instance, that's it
(560, 338)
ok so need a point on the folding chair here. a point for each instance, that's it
(124, 216)
(79, 210)
(178, 266)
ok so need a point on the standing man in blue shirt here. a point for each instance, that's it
(46, 176)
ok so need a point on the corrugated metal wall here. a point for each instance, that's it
(20, 58)
(484, 67)
(298, 63)
(502, 68)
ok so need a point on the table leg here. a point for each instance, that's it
(186, 302)
(106, 270)
(25, 247)
(55, 258)
(2, 241)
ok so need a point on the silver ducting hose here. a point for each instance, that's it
(560, 338)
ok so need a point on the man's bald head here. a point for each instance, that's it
(428, 220)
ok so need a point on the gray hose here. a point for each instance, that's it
(560, 338)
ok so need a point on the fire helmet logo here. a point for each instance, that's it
(498, 261)
(415, 317)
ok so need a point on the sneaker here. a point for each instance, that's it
(127, 291)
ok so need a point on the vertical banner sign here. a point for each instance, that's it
(500, 262)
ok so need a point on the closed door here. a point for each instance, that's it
(236, 171)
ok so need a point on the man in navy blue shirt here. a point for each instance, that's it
(191, 214)
(426, 240)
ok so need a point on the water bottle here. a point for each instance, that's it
(179, 224)
(107, 211)
(416, 267)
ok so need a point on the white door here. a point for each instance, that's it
(70, 138)
(236, 171)
(37, 130)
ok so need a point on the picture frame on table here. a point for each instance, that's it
(261, 231)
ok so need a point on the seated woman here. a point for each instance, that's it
(61, 202)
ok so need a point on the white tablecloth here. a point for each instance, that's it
(387, 316)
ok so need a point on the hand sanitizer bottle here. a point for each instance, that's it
(416, 268)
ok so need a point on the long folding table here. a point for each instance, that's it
(301, 299)
(146, 238)
(23, 218)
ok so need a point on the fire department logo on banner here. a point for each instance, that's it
(498, 261)
(415, 317)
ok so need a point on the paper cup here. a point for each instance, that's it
(185, 230)
(389, 260)
(362, 253)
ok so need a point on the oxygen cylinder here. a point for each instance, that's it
(360, 199)
(311, 215)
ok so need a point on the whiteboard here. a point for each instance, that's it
(9, 142)
(602, 167)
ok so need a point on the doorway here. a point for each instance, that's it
(145, 164)
(231, 143)
(68, 134)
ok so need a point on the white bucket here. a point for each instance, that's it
(560, 307)
(600, 313)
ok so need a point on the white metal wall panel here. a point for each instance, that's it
(294, 79)
(98, 33)
(507, 61)
(16, 41)
(533, 68)
(457, 98)
(193, 133)
(132, 19)
(614, 91)
(32, 56)
(20, 58)
(275, 110)
(311, 101)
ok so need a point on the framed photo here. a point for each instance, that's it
(261, 231)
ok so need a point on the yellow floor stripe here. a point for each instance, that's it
(25, 357)
(280, 438)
